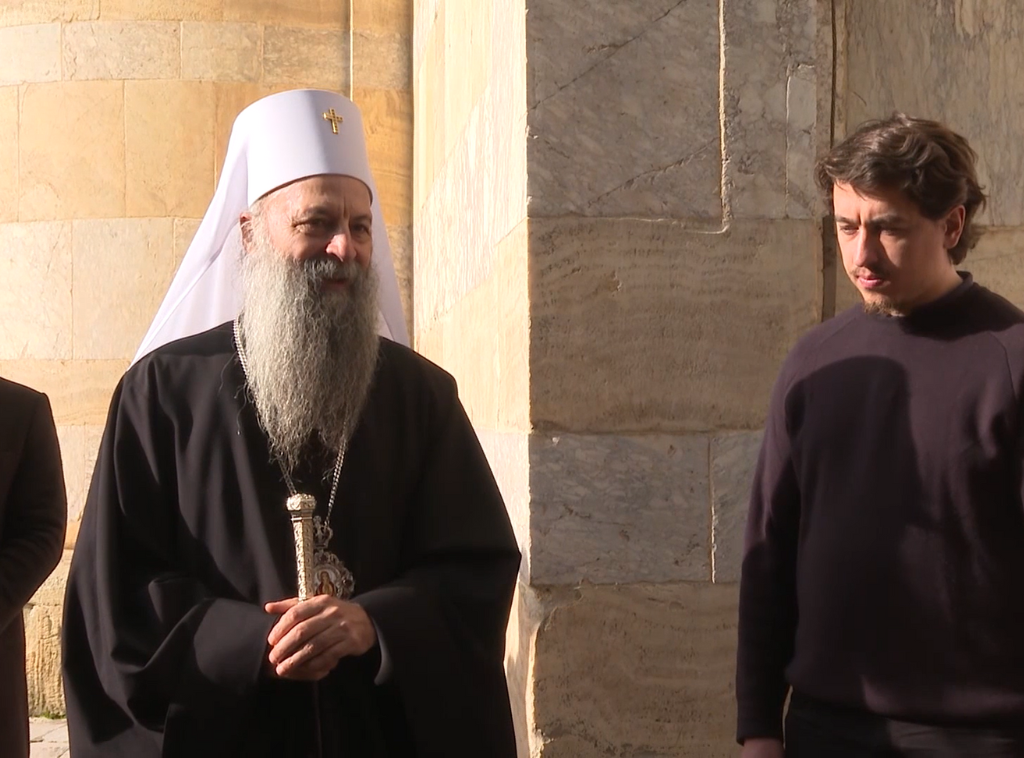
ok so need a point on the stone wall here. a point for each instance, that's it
(616, 243)
(114, 118)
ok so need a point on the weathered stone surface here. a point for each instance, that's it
(609, 509)
(89, 115)
(639, 670)
(508, 453)
(606, 85)
(641, 325)
(468, 45)
(381, 60)
(30, 53)
(519, 636)
(122, 50)
(306, 57)
(387, 121)
(134, 258)
(484, 340)
(426, 15)
(162, 10)
(42, 643)
(221, 51)
(318, 13)
(35, 301)
(966, 59)
(184, 230)
(733, 459)
(429, 115)
(384, 17)
(78, 448)
(169, 146)
(79, 391)
(26, 12)
(9, 187)
(770, 107)
(479, 198)
(400, 240)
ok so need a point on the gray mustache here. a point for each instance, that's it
(322, 267)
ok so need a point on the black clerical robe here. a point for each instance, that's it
(185, 537)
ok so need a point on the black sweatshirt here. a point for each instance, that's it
(884, 559)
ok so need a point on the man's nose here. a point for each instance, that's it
(867, 244)
(339, 245)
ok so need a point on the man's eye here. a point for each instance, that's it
(847, 229)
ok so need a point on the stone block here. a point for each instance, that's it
(484, 340)
(614, 509)
(384, 17)
(467, 40)
(400, 240)
(79, 446)
(333, 14)
(427, 14)
(122, 50)
(387, 121)
(508, 453)
(9, 189)
(220, 51)
(169, 147)
(609, 136)
(133, 259)
(478, 199)
(769, 87)
(639, 670)
(431, 135)
(42, 643)
(381, 61)
(162, 10)
(79, 391)
(306, 57)
(27, 12)
(733, 460)
(85, 120)
(635, 324)
(35, 301)
(966, 59)
(184, 230)
(29, 53)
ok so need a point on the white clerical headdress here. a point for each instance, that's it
(276, 140)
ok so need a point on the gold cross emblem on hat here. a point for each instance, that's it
(334, 118)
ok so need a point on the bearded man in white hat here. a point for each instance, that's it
(293, 544)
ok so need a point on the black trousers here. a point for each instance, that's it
(818, 730)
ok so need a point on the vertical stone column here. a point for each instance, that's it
(957, 61)
(114, 119)
(616, 347)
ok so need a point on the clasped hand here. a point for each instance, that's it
(311, 636)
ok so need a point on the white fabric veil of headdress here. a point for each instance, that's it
(274, 141)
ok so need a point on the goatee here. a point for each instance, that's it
(311, 349)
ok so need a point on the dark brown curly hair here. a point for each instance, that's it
(928, 162)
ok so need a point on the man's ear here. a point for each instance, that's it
(245, 221)
(954, 226)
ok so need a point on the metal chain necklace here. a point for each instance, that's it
(330, 575)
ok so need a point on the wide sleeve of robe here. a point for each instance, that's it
(444, 618)
(151, 659)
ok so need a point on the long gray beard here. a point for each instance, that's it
(311, 353)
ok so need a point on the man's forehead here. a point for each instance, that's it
(329, 190)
